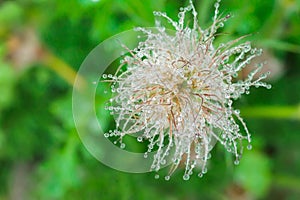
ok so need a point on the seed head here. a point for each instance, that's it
(178, 90)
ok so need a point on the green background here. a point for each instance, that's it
(42, 44)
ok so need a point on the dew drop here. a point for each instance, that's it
(236, 162)
(167, 178)
(209, 156)
(186, 177)
(259, 52)
(176, 161)
(163, 162)
(156, 176)
(249, 146)
(139, 139)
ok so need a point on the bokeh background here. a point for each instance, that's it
(42, 45)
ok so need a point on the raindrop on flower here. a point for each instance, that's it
(249, 146)
(186, 177)
(139, 139)
(122, 146)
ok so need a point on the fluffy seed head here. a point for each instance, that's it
(178, 90)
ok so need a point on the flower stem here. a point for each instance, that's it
(61, 68)
(273, 112)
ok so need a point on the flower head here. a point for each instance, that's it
(178, 90)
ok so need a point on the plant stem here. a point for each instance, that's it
(62, 69)
(273, 112)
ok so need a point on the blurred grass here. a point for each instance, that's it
(38, 139)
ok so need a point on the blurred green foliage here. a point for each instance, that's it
(38, 139)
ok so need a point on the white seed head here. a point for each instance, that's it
(178, 90)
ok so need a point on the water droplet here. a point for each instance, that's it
(140, 139)
(104, 76)
(176, 161)
(200, 175)
(156, 176)
(259, 52)
(122, 146)
(106, 135)
(236, 162)
(209, 156)
(186, 177)
(249, 146)
(167, 178)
